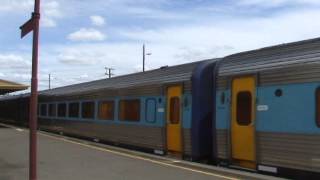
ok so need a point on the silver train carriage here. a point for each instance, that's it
(151, 111)
(268, 109)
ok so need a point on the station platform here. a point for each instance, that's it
(67, 158)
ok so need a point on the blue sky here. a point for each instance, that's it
(80, 37)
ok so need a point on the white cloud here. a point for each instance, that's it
(50, 10)
(50, 13)
(13, 61)
(15, 67)
(48, 22)
(83, 54)
(99, 55)
(84, 76)
(16, 5)
(231, 35)
(87, 34)
(277, 3)
(21, 76)
(78, 58)
(97, 20)
(154, 13)
(197, 53)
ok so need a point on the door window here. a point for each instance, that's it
(244, 106)
(174, 110)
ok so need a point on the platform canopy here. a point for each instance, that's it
(8, 87)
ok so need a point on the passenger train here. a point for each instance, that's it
(257, 110)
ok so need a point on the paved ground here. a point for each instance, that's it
(68, 159)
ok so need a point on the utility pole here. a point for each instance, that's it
(109, 72)
(144, 57)
(33, 25)
(49, 81)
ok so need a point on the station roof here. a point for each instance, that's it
(8, 87)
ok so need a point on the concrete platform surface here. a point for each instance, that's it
(62, 158)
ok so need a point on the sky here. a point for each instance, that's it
(79, 38)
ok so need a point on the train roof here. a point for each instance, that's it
(280, 47)
(273, 57)
(172, 74)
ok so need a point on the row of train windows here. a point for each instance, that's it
(129, 110)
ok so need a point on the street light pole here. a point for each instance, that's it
(33, 25)
(144, 57)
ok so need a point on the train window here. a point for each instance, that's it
(62, 110)
(43, 109)
(174, 110)
(87, 110)
(318, 106)
(222, 98)
(129, 110)
(244, 106)
(151, 110)
(106, 110)
(74, 109)
(52, 110)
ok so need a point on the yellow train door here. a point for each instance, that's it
(174, 143)
(242, 122)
